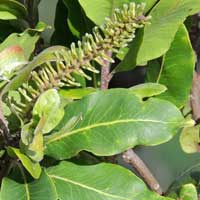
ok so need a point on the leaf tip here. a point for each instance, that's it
(189, 123)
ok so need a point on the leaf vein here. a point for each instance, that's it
(87, 187)
(58, 137)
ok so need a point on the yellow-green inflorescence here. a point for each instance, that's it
(116, 33)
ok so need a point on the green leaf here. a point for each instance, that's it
(130, 59)
(32, 167)
(6, 109)
(76, 93)
(148, 89)
(11, 59)
(173, 195)
(97, 10)
(188, 192)
(190, 139)
(167, 16)
(122, 53)
(113, 121)
(35, 148)
(49, 106)
(11, 9)
(40, 189)
(79, 79)
(153, 71)
(25, 40)
(149, 3)
(77, 21)
(177, 68)
(50, 110)
(70, 181)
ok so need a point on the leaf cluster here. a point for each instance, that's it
(58, 128)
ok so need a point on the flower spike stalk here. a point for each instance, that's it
(114, 34)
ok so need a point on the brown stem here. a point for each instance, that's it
(195, 98)
(132, 158)
(105, 74)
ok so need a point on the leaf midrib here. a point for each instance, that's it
(58, 137)
(87, 187)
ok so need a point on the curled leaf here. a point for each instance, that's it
(148, 89)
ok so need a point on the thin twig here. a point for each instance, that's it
(195, 97)
(132, 158)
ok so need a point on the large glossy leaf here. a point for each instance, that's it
(167, 16)
(97, 10)
(113, 121)
(130, 59)
(106, 8)
(11, 9)
(177, 68)
(69, 181)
